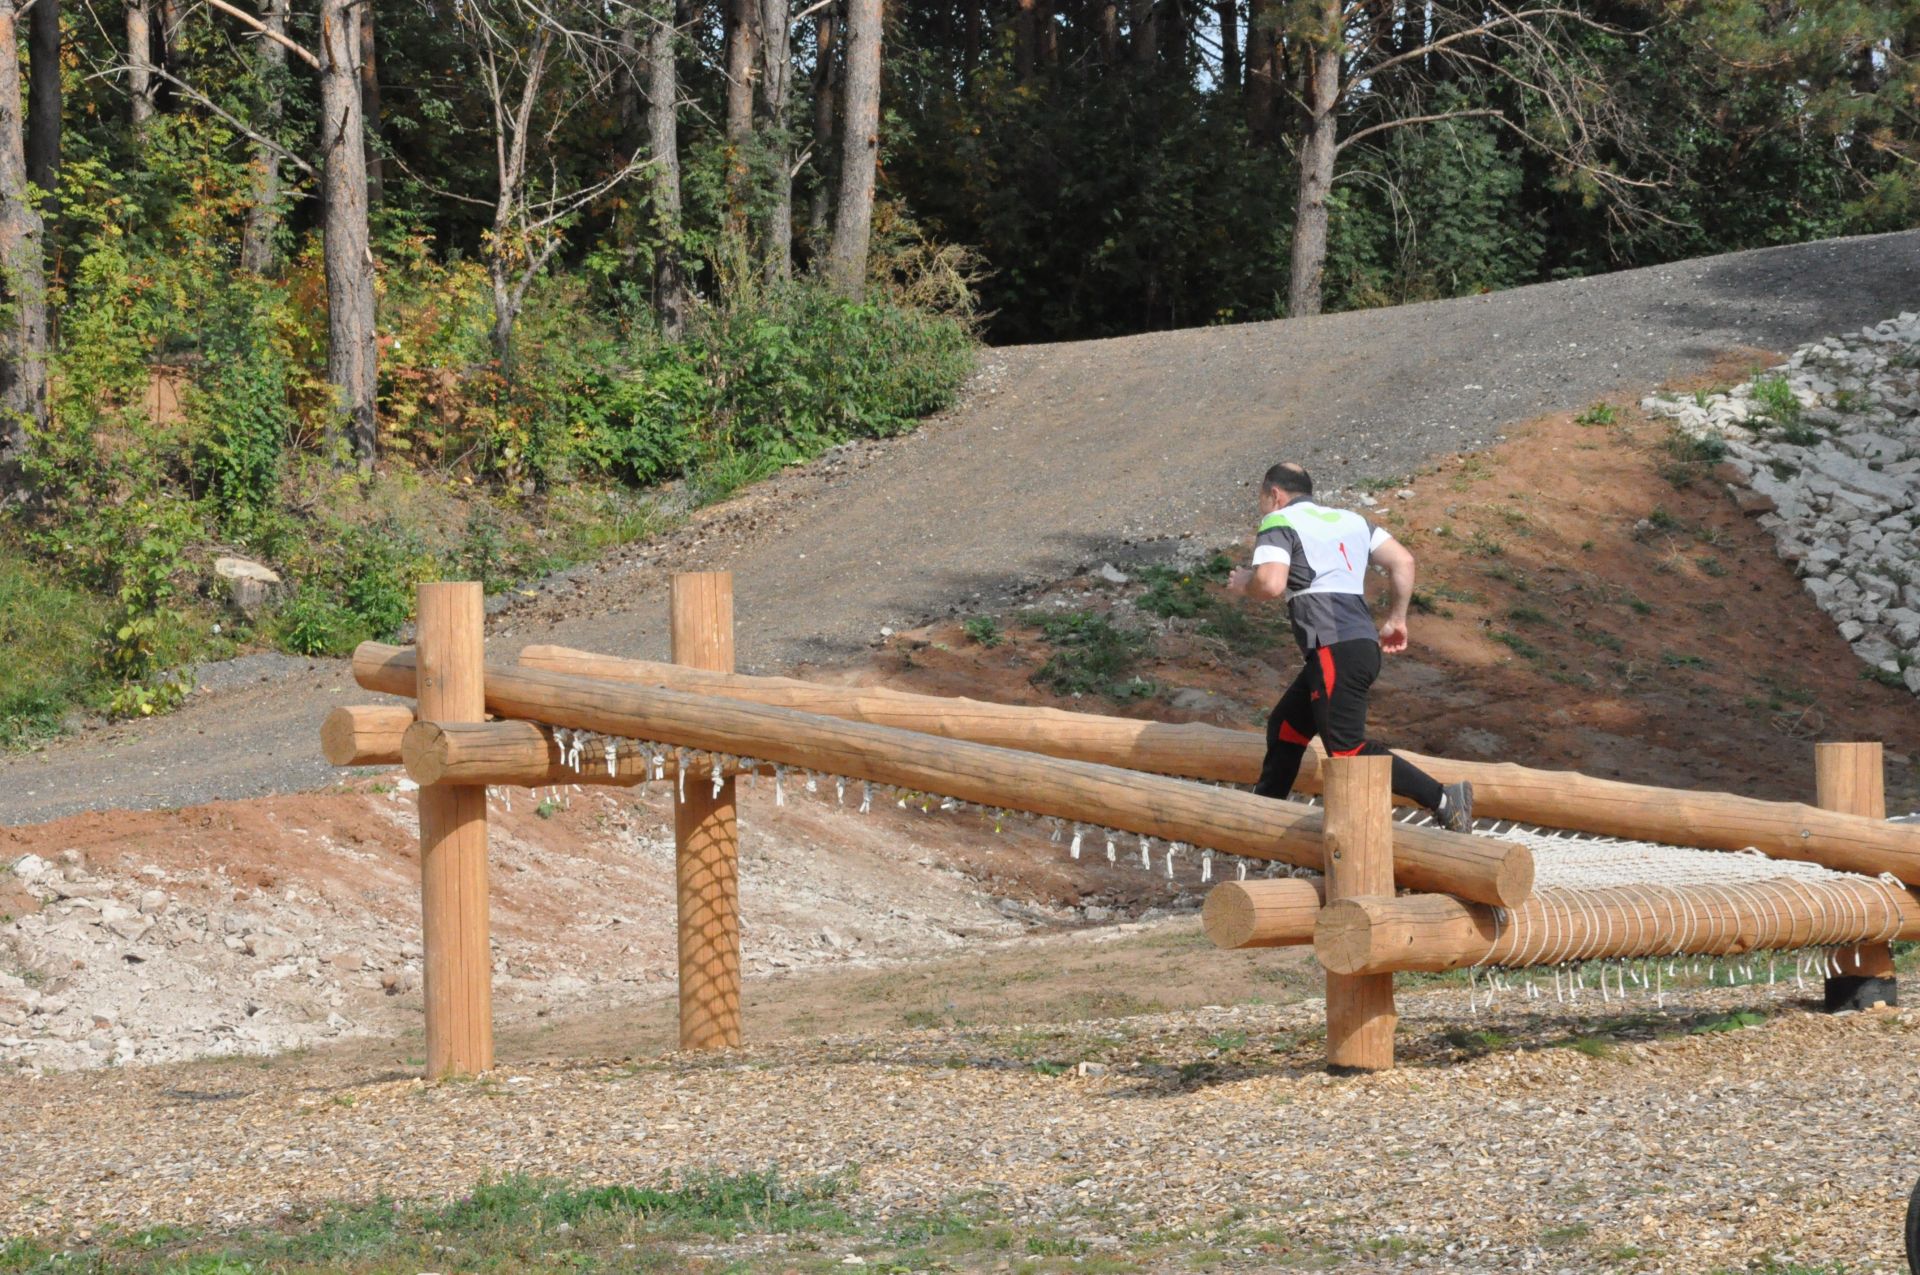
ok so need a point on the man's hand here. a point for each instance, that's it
(1393, 634)
(1238, 580)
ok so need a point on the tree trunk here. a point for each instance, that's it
(859, 151)
(972, 35)
(1229, 11)
(140, 63)
(263, 218)
(1025, 36)
(1316, 167)
(825, 79)
(1263, 68)
(1107, 22)
(1143, 28)
(775, 86)
(352, 358)
(370, 104)
(23, 292)
(743, 21)
(43, 91)
(663, 140)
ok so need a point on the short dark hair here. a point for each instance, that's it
(1290, 478)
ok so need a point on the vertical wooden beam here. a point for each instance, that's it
(453, 842)
(706, 834)
(1851, 779)
(1359, 859)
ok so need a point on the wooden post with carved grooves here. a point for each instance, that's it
(706, 834)
(1359, 862)
(453, 842)
(1851, 779)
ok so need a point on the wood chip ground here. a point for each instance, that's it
(1646, 1146)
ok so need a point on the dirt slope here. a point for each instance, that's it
(1063, 454)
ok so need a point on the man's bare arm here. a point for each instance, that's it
(1397, 562)
(1268, 580)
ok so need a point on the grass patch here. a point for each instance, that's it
(1601, 638)
(1517, 644)
(1527, 615)
(518, 1223)
(1739, 1020)
(1689, 457)
(1598, 414)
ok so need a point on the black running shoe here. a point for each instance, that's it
(1456, 807)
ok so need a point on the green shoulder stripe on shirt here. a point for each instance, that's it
(1278, 518)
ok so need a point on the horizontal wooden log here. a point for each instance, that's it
(1233, 822)
(1550, 798)
(1504, 870)
(526, 755)
(1379, 935)
(1278, 913)
(365, 734)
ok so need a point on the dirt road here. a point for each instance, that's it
(1062, 454)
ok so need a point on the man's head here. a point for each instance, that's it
(1284, 484)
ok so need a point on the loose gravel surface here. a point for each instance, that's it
(1656, 1142)
(1061, 455)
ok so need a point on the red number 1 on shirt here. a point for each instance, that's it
(1343, 555)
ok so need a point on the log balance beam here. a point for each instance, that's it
(1842, 837)
(1484, 869)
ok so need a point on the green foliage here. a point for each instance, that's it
(985, 630)
(1598, 414)
(47, 630)
(1093, 656)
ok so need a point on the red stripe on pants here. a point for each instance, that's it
(1326, 671)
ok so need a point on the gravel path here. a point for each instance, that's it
(1790, 1141)
(1067, 454)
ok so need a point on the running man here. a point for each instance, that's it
(1317, 559)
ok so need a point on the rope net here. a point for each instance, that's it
(1625, 908)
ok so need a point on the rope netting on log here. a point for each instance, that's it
(1606, 914)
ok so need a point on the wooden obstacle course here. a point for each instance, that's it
(1835, 836)
(654, 721)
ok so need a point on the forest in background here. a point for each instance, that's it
(373, 292)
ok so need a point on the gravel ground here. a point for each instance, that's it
(1792, 1141)
(1063, 455)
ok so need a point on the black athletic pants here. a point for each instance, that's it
(1329, 699)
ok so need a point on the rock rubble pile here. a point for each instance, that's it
(1825, 449)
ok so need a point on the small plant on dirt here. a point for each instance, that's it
(1739, 1020)
(547, 808)
(1774, 398)
(1424, 603)
(1675, 659)
(1227, 1042)
(1486, 546)
(1711, 566)
(1527, 615)
(1093, 656)
(1662, 520)
(1517, 644)
(1690, 456)
(985, 630)
(1600, 638)
(1598, 414)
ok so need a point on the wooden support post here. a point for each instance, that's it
(453, 842)
(1359, 856)
(706, 835)
(1851, 779)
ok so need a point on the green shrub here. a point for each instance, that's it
(312, 623)
(1094, 656)
(48, 631)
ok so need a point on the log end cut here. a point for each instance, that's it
(1262, 913)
